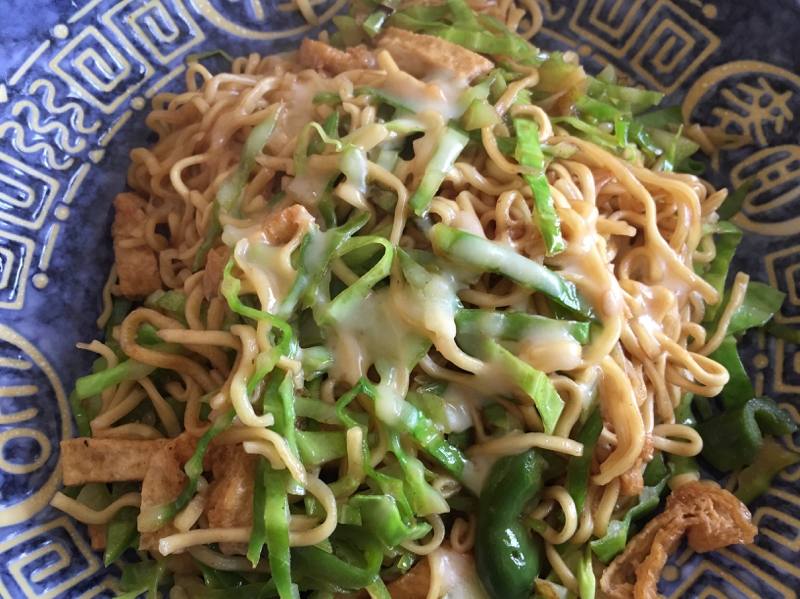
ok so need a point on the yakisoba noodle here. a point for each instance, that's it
(363, 299)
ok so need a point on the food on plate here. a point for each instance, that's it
(420, 310)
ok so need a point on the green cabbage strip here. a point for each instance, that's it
(422, 498)
(729, 238)
(533, 382)
(421, 428)
(389, 485)
(608, 547)
(268, 358)
(517, 326)
(320, 447)
(629, 95)
(276, 516)
(451, 144)
(587, 584)
(342, 303)
(258, 537)
(466, 248)
(529, 154)
(326, 571)
(229, 195)
(315, 257)
(662, 118)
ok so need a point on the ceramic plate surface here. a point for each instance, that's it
(76, 79)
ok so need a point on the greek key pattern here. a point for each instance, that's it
(72, 106)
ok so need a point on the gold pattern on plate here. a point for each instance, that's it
(225, 23)
(25, 509)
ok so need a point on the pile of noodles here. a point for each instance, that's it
(634, 240)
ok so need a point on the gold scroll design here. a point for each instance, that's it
(747, 115)
(704, 579)
(69, 560)
(225, 22)
(664, 45)
(91, 47)
(16, 255)
(18, 423)
(783, 269)
(775, 194)
(27, 192)
(157, 26)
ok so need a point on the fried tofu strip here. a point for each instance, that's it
(331, 61)
(712, 518)
(164, 482)
(137, 265)
(230, 500)
(420, 55)
(107, 460)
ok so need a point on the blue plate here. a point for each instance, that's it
(75, 84)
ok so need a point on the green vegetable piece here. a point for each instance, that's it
(451, 144)
(676, 148)
(351, 32)
(630, 95)
(738, 391)
(516, 326)
(733, 203)
(379, 515)
(732, 438)
(421, 428)
(258, 537)
(612, 544)
(330, 98)
(339, 306)
(587, 583)
(662, 118)
(276, 515)
(507, 556)
(317, 564)
(94, 384)
(144, 577)
(384, 98)
(198, 56)
(533, 382)
(761, 301)
(173, 301)
(579, 466)
(729, 237)
(756, 479)
(479, 114)
(460, 246)
(79, 408)
(529, 154)
(121, 534)
(782, 331)
(320, 447)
